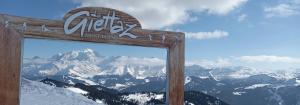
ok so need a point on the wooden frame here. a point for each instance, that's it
(89, 24)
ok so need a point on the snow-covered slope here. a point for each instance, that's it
(142, 99)
(37, 93)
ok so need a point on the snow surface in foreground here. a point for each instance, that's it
(77, 90)
(143, 98)
(36, 93)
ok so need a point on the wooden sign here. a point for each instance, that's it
(89, 24)
(112, 23)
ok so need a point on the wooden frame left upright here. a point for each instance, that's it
(10, 65)
(88, 24)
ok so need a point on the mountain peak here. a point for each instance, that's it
(81, 55)
(88, 50)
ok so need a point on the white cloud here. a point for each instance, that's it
(219, 63)
(269, 59)
(207, 35)
(164, 13)
(282, 10)
(242, 17)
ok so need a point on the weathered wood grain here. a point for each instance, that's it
(55, 30)
(100, 11)
(175, 73)
(10, 66)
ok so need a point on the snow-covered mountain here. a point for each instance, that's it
(125, 74)
(84, 64)
(88, 63)
(118, 72)
(76, 63)
(238, 72)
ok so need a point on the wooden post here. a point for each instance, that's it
(175, 73)
(10, 65)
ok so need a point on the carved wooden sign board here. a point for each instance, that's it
(89, 24)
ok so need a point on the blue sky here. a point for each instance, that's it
(260, 33)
